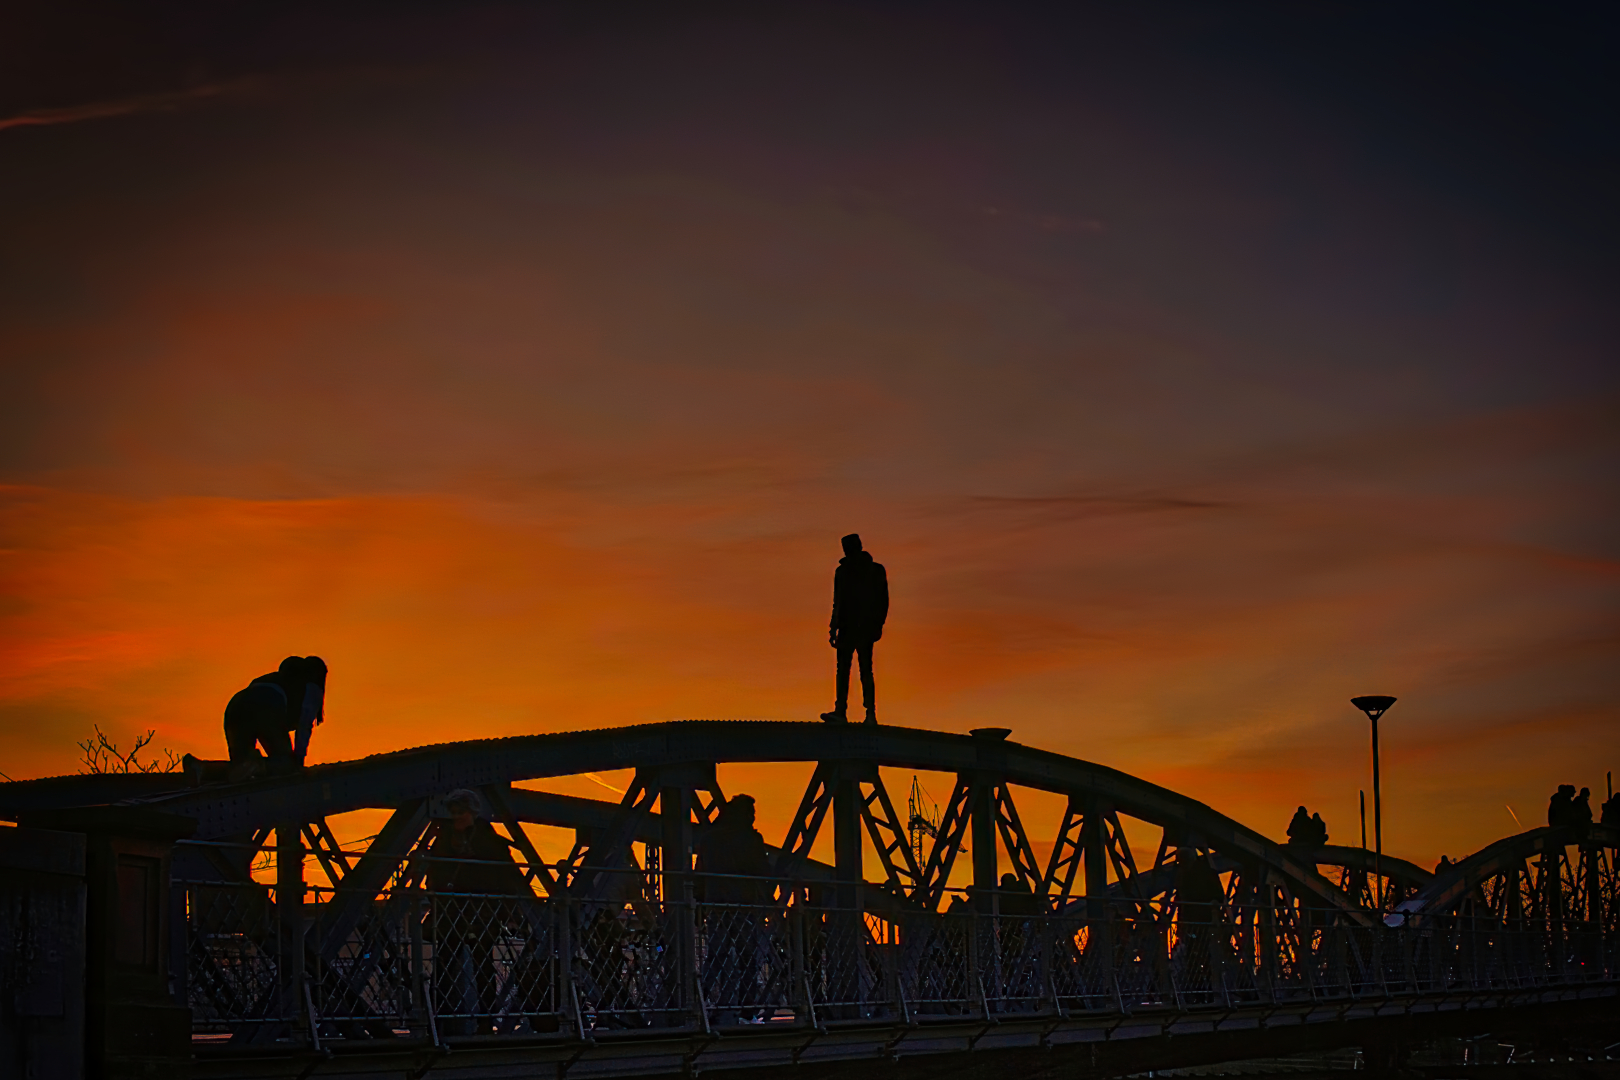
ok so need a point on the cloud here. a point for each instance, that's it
(167, 101)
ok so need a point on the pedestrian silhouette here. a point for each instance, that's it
(1580, 814)
(1319, 833)
(734, 851)
(860, 607)
(1560, 806)
(1299, 828)
(271, 707)
(470, 878)
(1611, 811)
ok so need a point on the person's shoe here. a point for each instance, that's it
(871, 716)
(835, 717)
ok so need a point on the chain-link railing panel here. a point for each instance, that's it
(233, 953)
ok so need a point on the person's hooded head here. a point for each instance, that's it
(852, 544)
(465, 806)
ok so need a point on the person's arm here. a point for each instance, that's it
(832, 625)
(308, 717)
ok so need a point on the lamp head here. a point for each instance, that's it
(1374, 705)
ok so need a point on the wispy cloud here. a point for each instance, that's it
(166, 101)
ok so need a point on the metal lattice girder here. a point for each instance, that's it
(889, 836)
(608, 847)
(801, 835)
(953, 826)
(389, 780)
(1014, 839)
(333, 859)
(1057, 885)
(501, 803)
(1508, 856)
(360, 886)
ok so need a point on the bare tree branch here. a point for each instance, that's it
(100, 755)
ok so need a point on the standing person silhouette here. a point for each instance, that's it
(860, 607)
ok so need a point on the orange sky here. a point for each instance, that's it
(529, 420)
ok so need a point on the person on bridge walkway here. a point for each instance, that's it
(291, 699)
(1611, 811)
(1580, 814)
(860, 608)
(1560, 808)
(470, 873)
(733, 852)
(1299, 827)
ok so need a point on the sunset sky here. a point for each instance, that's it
(1191, 371)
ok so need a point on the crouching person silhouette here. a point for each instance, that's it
(860, 608)
(291, 699)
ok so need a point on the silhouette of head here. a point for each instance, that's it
(852, 543)
(302, 669)
(464, 806)
(740, 810)
(1566, 789)
(1586, 793)
(1009, 881)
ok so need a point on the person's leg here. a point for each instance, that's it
(277, 745)
(868, 684)
(841, 709)
(242, 726)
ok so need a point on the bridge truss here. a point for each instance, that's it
(610, 960)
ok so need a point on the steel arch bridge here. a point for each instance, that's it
(611, 961)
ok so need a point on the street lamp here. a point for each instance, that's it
(1376, 705)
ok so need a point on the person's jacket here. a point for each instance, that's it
(489, 867)
(860, 598)
(731, 849)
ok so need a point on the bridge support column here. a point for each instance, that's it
(986, 890)
(848, 935)
(675, 855)
(290, 916)
(985, 881)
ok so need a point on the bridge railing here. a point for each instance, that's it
(435, 964)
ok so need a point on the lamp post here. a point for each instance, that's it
(1376, 705)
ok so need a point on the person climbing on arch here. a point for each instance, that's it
(291, 699)
(860, 607)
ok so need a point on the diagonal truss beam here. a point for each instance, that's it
(607, 850)
(888, 837)
(333, 859)
(537, 868)
(360, 886)
(953, 826)
(1014, 839)
(801, 834)
(1068, 855)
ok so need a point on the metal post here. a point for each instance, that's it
(1378, 821)
(675, 816)
(981, 804)
(984, 846)
(1376, 705)
(846, 944)
(290, 914)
